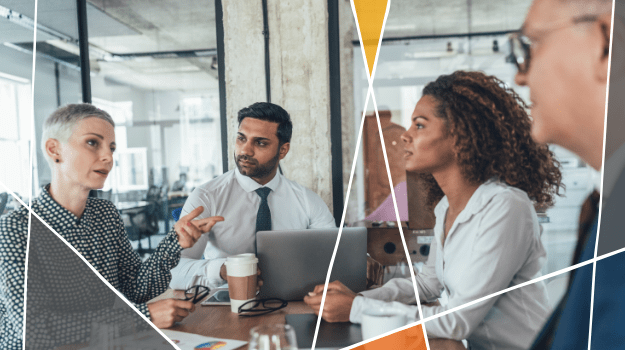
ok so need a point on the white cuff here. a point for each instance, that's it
(212, 279)
(355, 314)
(397, 289)
(361, 303)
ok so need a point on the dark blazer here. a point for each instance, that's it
(569, 325)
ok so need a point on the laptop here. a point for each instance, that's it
(293, 262)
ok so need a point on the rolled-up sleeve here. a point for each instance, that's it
(193, 268)
(402, 289)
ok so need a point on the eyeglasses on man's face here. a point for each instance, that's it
(520, 45)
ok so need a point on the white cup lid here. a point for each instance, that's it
(242, 259)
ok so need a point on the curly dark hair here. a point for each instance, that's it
(493, 136)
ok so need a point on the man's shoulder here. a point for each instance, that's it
(215, 186)
(300, 189)
(315, 205)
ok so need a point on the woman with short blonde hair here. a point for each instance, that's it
(78, 141)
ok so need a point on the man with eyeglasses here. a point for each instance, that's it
(562, 54)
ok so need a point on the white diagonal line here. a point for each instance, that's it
(605, 127)
(338, 238)
(370, 92)
(30, 169)
(457, 308)
(401, 232)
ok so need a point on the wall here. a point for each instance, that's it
(298, 40)
(244, 55)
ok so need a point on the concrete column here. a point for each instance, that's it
(244, 56)
(300, 83)
(298, 41)
(348, 31)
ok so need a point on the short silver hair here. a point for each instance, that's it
(61, 123)
(590, 6)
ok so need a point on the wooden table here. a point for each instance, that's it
(218, 321)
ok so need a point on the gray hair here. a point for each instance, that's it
(61, 123)
(590, 6)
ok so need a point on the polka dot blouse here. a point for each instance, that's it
(99, 235)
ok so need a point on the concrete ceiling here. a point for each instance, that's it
(60, 15)
(159, 25)
(435, 17)
(130, 26)
(133, 26)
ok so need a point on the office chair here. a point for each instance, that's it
(176, 214)
(154, 194)
(140, 224)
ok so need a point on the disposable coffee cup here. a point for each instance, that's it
(377, 321)
(241, 270)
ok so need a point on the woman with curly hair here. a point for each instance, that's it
(470, 138)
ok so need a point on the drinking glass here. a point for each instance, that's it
(272, 337)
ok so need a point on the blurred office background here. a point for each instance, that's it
(155, 66)
(422, 40)
(152, 67)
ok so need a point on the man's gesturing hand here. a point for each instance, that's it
(189, 230)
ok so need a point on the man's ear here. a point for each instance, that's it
(605, 26)
(53, 149)
(284, 149)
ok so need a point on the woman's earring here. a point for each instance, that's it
(56, 160)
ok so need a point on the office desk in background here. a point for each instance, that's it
(124, 207)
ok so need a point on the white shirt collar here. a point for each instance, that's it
(478, 201)
(250, 185)
(612, 170)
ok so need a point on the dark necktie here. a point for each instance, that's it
(263, 218)
(590, 210)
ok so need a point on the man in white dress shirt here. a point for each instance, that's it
(252, 197)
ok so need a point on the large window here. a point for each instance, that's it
(402, 71)
(15, 125)
(131, 168)
(199, 135)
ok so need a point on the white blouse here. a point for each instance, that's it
(493, 244)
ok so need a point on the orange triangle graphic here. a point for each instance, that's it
(370, 15)
(408, 339)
